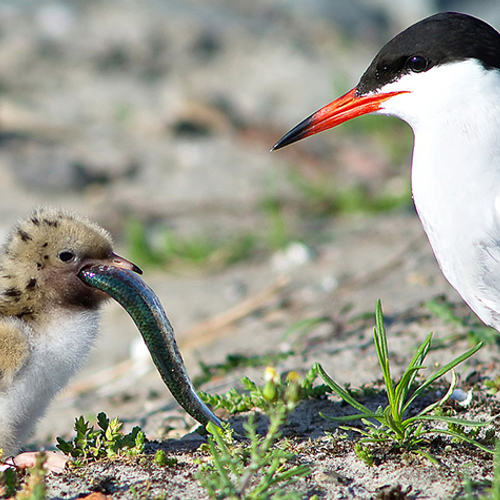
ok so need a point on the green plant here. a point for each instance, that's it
(278, 235)
(322, 196)
(392, 136)
(107, 440)
(142, 492)
(493, 386)
(258, 397)
(491, 490)
(364, 453)
(169, 249)
(393, 425)
(256, 468)
(35, 487)
(161, 459)
(234, 361)
(9, 482)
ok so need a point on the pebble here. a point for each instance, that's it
(295, 255)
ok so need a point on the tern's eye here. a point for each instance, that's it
(417, 64)
(66, 256)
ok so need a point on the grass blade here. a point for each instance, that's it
(340, 391)
(442, 371)
(450, 420)
(349, 418)
(408, 377)
(462, 438)
(441, 401)
(380, 339)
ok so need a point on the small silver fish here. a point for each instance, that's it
(144, 307)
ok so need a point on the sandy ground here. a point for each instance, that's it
(164, 113)
(403, 279)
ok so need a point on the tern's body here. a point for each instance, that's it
(442, 76)
(456, 177)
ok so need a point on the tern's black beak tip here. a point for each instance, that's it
(302, 130)
(284, 141)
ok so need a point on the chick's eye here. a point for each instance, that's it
(66, 256)
(417, 64)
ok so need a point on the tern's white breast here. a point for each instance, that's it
(454, 111)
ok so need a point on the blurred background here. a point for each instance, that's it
(155, 118)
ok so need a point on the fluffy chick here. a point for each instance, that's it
(48, 316)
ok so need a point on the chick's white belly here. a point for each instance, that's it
(56, 354)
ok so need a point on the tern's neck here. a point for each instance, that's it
(456, 169)
(454, 110)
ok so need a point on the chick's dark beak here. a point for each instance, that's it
(122, 263)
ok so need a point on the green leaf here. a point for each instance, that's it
(380, 339)
(102, 421)
(350, 418)
(442, 371)
(339, 390)
(461, 437)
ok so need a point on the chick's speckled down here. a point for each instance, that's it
(48, 317)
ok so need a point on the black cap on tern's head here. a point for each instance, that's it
(441, 39)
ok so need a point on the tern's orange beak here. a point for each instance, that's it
(339, 111)
(117, 261)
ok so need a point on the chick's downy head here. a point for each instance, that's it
(41, 259)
